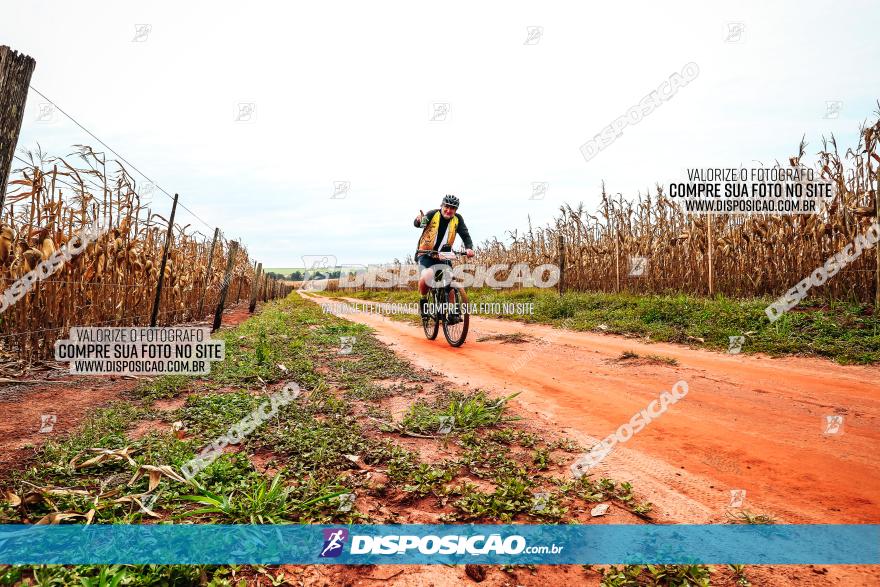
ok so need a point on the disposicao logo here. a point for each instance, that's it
(334, 539)
(444, 545)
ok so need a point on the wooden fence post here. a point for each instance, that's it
(168, 236)
(208, 273)
(254, 287)
(218, 313)
(616, 258)
(238, 288)
(561, 245)
(877, 252)
(711, 282)
(15, 78)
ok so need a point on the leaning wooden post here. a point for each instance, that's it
(218, 314)
(208, 273)
(15, 78)
(238, 287)
(254, 271)
(254, 287)
(168, 237)
(561, 245)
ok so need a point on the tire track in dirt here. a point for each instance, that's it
(748, 422)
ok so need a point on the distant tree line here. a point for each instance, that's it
(300, 275)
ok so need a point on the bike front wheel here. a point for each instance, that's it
(455, 325)
(430, 323)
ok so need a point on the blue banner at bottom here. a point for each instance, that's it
(440, 544)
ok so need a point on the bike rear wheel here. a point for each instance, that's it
(430, 324)
(455, 325)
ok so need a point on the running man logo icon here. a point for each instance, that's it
(540, 501)
(46, 113)
(47, 422)
(637, 266)
(539, 190)
(346, 344)
(142, 32)
(441, 110)
(735, 32)
(340, 190)
(245, 112)
(334, 539)
(534, 35)
(317, 271)
(737, 498)
(446, 423)
(735, 345)
(834, 424)
(832, 109)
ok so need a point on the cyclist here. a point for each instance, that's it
(439, 228)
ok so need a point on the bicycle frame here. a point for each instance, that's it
(445, 294)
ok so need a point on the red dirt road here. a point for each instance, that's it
(748, 422)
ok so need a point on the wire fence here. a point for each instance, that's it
(131, 255)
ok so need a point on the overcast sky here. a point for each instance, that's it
(346, 92)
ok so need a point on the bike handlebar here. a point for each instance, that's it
(433, 252)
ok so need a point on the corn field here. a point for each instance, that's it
(751, 255)
(113, 281)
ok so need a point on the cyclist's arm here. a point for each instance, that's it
(465, 235)
(429, 214)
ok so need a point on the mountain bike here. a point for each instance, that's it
(448, 305)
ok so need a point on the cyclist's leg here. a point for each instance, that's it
(423, 282)
(425, 263)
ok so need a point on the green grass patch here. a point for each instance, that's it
(113, 575)
(456, 412)
(656, 576)
(162, 387)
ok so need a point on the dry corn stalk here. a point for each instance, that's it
(113, 282)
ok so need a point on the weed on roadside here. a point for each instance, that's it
(656, 575)
(162, 387)
(747, 517)
(651, 358)
(606, 489)
(456, 412)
